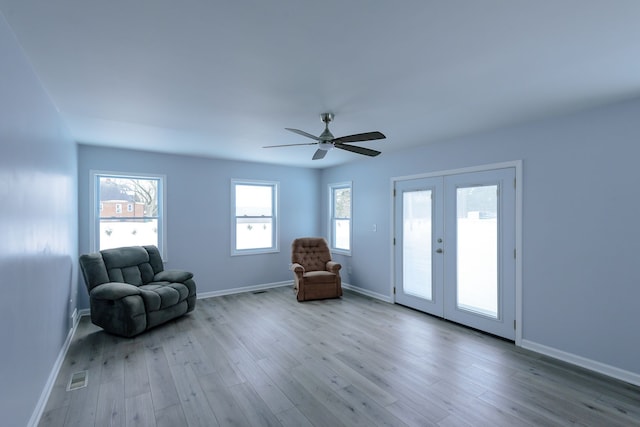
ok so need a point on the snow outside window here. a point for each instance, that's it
(254, 226)
(340, 217)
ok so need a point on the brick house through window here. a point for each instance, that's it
(113, 209)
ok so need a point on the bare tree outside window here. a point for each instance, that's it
(343, 202)
(145, 191)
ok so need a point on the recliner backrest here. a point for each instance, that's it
(311, 252)
(136, 265)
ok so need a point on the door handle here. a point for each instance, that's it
(439, 250)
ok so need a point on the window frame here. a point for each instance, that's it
(94, 196)
(332, 218)
(275, 231)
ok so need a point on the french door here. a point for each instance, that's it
(455, 248)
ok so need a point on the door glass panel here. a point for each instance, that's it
(416, 241)
(477, 243)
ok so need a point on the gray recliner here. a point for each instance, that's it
(130, 292)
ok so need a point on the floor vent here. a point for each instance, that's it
(78, 380)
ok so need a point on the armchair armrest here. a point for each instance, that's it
(114, 291)
(179, 276)
(297, 268)
(333, 266)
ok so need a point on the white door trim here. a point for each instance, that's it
(517, 164)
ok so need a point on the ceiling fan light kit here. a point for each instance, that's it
(326, 141)
(326, 146)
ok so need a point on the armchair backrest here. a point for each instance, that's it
(311, 252)
(136, 265)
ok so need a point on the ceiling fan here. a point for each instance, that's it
(326, 141)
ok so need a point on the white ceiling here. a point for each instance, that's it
(223, 78)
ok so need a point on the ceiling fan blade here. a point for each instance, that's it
(290, 145)
(359, 150)
(367, 136)
(319, 154)
(303, 133)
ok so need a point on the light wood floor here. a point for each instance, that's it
(262, 359)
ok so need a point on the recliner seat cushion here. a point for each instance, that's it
(160, 295)
(315, 277)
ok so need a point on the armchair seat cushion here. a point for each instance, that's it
(130, 291)
(315, 277)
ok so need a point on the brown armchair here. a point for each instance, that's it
(316, 275)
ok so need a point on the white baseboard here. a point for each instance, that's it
(602, 368)
(254, 288)
(288, 283)
(53, 375)
(367, 292)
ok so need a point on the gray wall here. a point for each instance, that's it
(581, 234)
(38, 229)
(199, 215)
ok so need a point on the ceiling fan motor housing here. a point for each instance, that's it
(326, 135)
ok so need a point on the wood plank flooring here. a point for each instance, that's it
(263, 359)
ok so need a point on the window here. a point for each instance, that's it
(340, 217)
(254, 212)
(143, 221)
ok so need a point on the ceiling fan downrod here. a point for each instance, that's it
(326, 137)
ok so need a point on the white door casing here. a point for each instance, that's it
(460, 246)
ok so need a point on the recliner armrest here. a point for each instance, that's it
(297, 268)
(114, 291)
(333, 266)
(178, 276)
